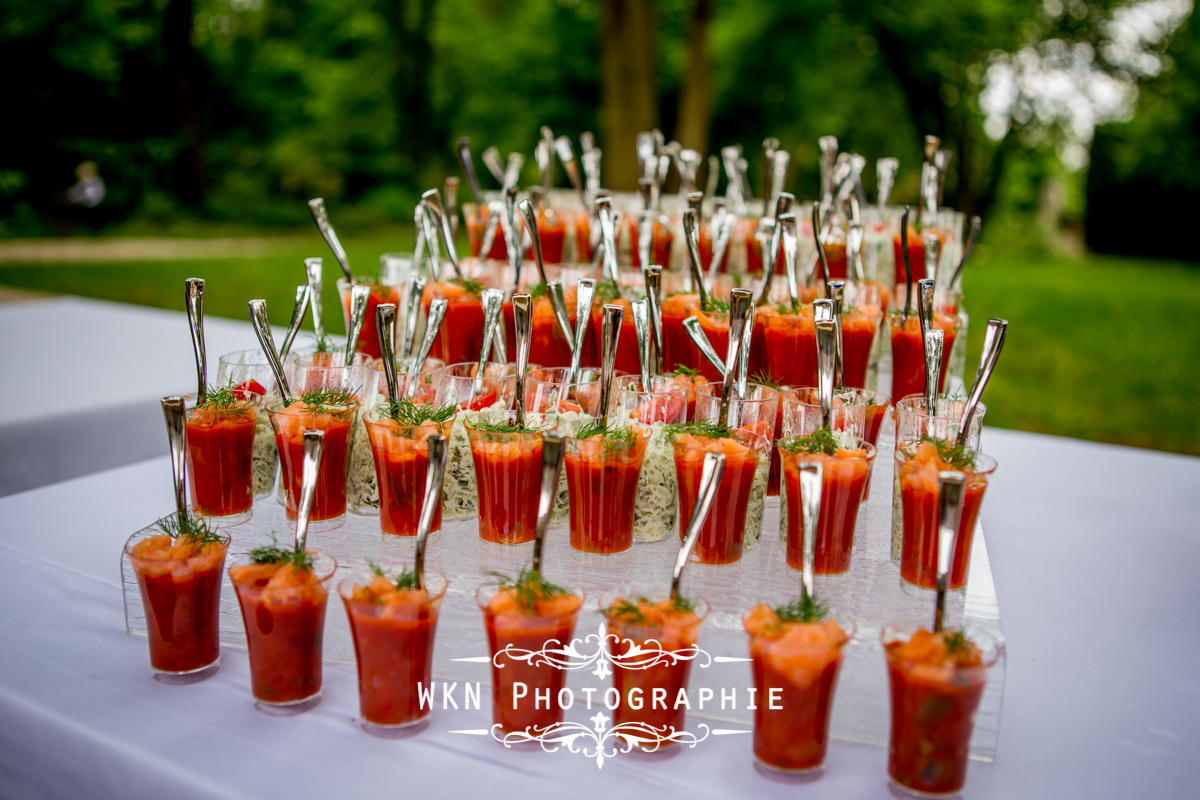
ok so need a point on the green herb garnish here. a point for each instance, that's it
(407, 579)
(274, 554)
(406, 412)
(472, 286)
(486, 426)
(541, 290)
(685, 370)
(955, 642)
(819, 441)
(806, 608)
(192, 529)
(683, 604)
(956, 455)
(630, 610)
(616, 440)
(323, 399)
(606, 291)
(221, 399)
(708, 430)
(766, 379)
(529, 586)
(715, 305)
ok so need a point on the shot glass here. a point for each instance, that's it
(652, 644)
(602, 483)
(935, 691)
(401, 455)
(461, 336)
(283, 610)
(908, 352)
(802, 413)
(757, 412)
(546, 624)
(180, 583)
(368, 337)
(337, 421)
(248, 372)
(547, 393)
(393, 631)
(795, 667)
(508, 475)
(914, 422)
(497, 390)
(220, 458)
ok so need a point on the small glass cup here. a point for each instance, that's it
(220, 459)
(181, 593)
(401, 455)
(860, 325)
(724, 533)
(393, 631)
(602, 481)
(908, 352)
(757, 412)
(547, 344)
(498, 388)
(933, 709)
(508, 475)
(546, 627)
(283, 610)
(461, 336)
(476, 217)
(245, 370)
(666, 401)
(427, 386)
(795, 667)
(677, 347)
(843, 482)
(368, 337)
(914, 423)
(802, 413)
(652, 646)
(791, 345)
(627, 358)
(545, 392)
(917, 468)
(327, 370)
(329, 504)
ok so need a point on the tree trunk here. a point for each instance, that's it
(417, 136)
(695, 102)
(183, 69)
(627, 29)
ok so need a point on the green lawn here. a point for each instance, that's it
(1097, 348)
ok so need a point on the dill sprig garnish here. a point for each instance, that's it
(685, 370)
(529, 587)
(406, 412)
(221, 399)
(806, 608)
(683, 603)
(715, 305)
(472, 286)
(955, 642)
(274, 554)
(486, 426)
(626, 610)
(191, 529)
(323, 399)
(540, 290)
(819, 441)
(766, 379)
(956, 455)
(616, 440)
(406, 579)
(606, 291)
(707, 430)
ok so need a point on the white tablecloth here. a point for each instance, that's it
(83, 379)
(1093, 549)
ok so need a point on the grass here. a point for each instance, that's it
(1098, 348)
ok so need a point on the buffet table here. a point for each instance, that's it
(1091, 547)
(100, 370)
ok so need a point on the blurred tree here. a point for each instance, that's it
(628, 31)
(695, 102)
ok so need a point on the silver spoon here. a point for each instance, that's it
(933, 254)
(885, 179)
(770, 148)
(691, 326)
(611, 317)
(608, 239)
(653, 277)
(173, 414)
(317, 207)
(464, 157)
(993, 343)
(591, 172)
(691, 236)
(435, 474)
(941, 161)
(512, 239)
(854, 251)
(951, 491)
(714, 175)
(429, 230)
(972, 238)
(512, 171)
(522, 328)
(416, 291)
(925, 293)
(360, 295)
(645, 239)
(262, 329)
(641, 325)
(433, 205)
(816, 226)
(688, 165)
(558, 304)
(385, 325)
(723, 225)
(495, 213)
(733, 189)
(710, 481)
(740, 303)
(743, 364)
(829, 152)
(566, 154)
(419, 246)
(299, 308)
(934, 344)
(493, 302)
(450, 188)
(779, 176)
(585, 296)
(908, 275)
(314, 448)
(552, 453)
(437, 312)
(791, 251)
(928, 209)
(194, 299)
(826, 358)
(491, 160)
(312, 267)
(531, 225)
(837, 293)
(810, 516)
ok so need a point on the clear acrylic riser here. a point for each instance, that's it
(870, 596)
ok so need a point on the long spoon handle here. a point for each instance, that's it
(810, 510)
(319, 215)
(173, 415)
(993, 343)
(194, 297)
(314, 448)
(299, 308)
(950, 502)
(437, 313)
(435, 474)
(385, 325)
(262, 329)
(552, 457)
(710, 481)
